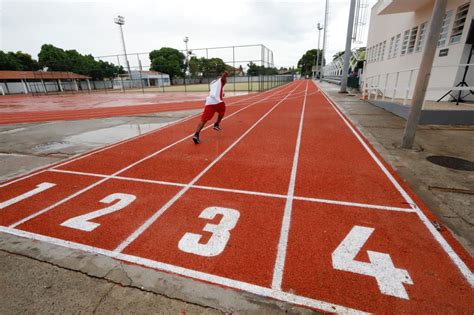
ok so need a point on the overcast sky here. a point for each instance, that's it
(288, 28)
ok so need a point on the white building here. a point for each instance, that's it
(395, 42)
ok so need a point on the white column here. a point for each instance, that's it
(60, 85)
(347, 54)
(75, 84)
(24, 86)
(44, 86)
(88, 85)
(423, 77)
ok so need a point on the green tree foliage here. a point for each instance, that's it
(212, 67)
(337, 55)
(57, 59)
(168, 60)
(194, 66)
(308, 60)
(253, 69)
(18, 61)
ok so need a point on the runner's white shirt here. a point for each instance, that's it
(216, 93)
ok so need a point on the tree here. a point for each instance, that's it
(308, 60)
(194, 66)
(18, 61)
(54, 58)
(58, 59)
(168, 60)
(8, 62)
(337, 55)
(253, 69)
(212, 67)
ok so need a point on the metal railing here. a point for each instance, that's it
(399, 85)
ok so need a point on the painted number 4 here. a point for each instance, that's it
(389, 278)
(189, 243)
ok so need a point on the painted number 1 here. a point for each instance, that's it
(189, 243)
(39, 188)
(389, 278)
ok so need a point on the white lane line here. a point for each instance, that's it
(157, 214)
(244, 192)
(285, 227)
(43, 169)
(444, 244)
(354, 204)
(202, 276)
(34, 215)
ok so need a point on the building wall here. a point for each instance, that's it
(445, 71)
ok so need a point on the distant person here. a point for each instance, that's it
(214, 103)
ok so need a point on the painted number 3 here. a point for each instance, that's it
(189, 243)
(389, 278)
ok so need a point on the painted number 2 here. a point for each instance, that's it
(389, 278)
(82, 222)
(189, 243)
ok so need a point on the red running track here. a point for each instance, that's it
(28, 109)
(288, 201)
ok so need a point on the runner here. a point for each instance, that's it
(214, 103)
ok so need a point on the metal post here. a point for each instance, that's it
(140, 69)
(318, 52)
(377, 87)
(233, 64)
(407, 91)
(424, 73)
(186, 39)
(396, 86)
(347, 54)
(385, 87)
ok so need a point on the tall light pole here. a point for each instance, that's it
(323, 63)
(318, 52)
(120, 20)
(186, 40)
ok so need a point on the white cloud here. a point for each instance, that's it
(286, 27)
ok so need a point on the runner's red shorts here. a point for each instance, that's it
(209, 111)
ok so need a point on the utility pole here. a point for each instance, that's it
(347, 53)
(323, 63)
(423, 77)
(318, 52)
(120, 20)
(185, 40)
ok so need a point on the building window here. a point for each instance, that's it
(459, 21)
(382, 53)
(390, 47)
(412, 41)
(444, 29)
(397, 44)
(406, 35)
(379, 48)
(421, 37)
